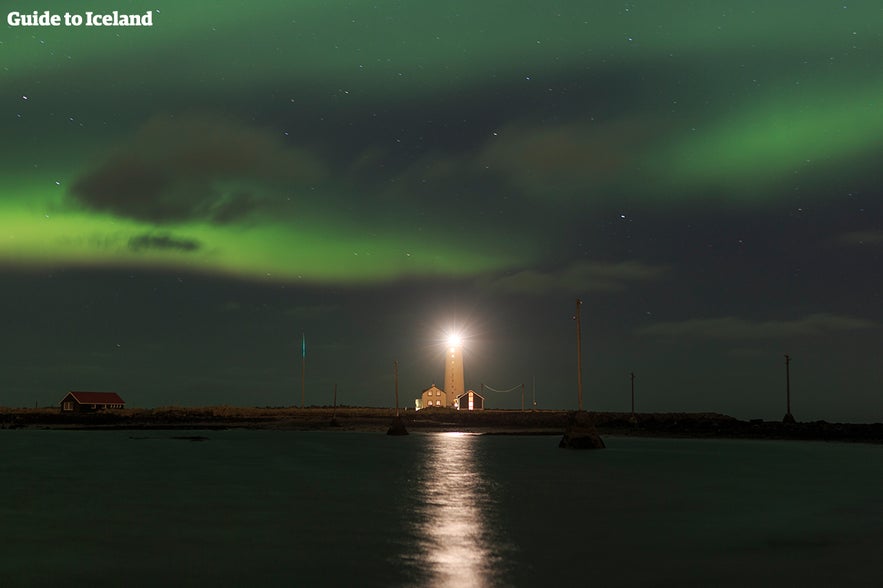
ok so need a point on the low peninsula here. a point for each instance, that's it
(500, 422)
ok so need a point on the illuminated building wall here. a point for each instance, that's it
(433, 396)
(454, 386)
(470, 400)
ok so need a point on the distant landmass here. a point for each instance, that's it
(501, 422)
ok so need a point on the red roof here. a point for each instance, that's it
(97, 397)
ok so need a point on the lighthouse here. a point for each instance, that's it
(453, 393)
(454, 386)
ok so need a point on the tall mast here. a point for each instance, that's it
(633, 394)
(789, 418)
(579, 362)
(303, 369)
(395, 369)
(788, 384)
(397, 427)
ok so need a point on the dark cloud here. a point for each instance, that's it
(738, 328)
(232, 207)
(190, 168)
(584, 276)
(566, 160)
(162, 242)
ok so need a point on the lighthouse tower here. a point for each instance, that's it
(454, 385)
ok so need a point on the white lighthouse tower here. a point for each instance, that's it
(454, 385)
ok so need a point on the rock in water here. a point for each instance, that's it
(397, 427)
(580, 433)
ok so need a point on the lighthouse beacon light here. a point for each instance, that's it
(455, 340)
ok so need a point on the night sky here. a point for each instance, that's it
(180, 203)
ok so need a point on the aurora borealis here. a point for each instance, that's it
(180, 202)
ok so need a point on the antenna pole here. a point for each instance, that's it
(788, 384)
(303, 369)
(395, 369)
(579, 362)
(633, 395)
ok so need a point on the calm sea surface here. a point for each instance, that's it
(273, 508)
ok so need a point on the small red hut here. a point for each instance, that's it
(91, 401)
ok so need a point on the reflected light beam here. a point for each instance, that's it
(455, 538)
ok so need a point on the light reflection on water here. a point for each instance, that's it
(455, 541)
(280, 508)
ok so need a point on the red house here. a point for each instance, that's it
(470, 400)
(91, 401)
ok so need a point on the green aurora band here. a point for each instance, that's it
(815, 100)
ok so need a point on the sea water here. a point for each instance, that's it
(279, 508)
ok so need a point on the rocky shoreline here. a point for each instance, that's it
(515, 422)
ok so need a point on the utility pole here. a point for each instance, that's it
(633, 395)
(580, 432)
(789, 418)
(303, 369)
(579, 362)
(333, 421)
(397, 427)
(395, 369)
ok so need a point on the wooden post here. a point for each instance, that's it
(633, 395)
(395, 369)
(333, 422)
(787, 384)
(303, 369)
(580, 432)
(398, 426)
(579, 362)
(789, 418)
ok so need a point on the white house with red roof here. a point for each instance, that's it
(91, 401)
